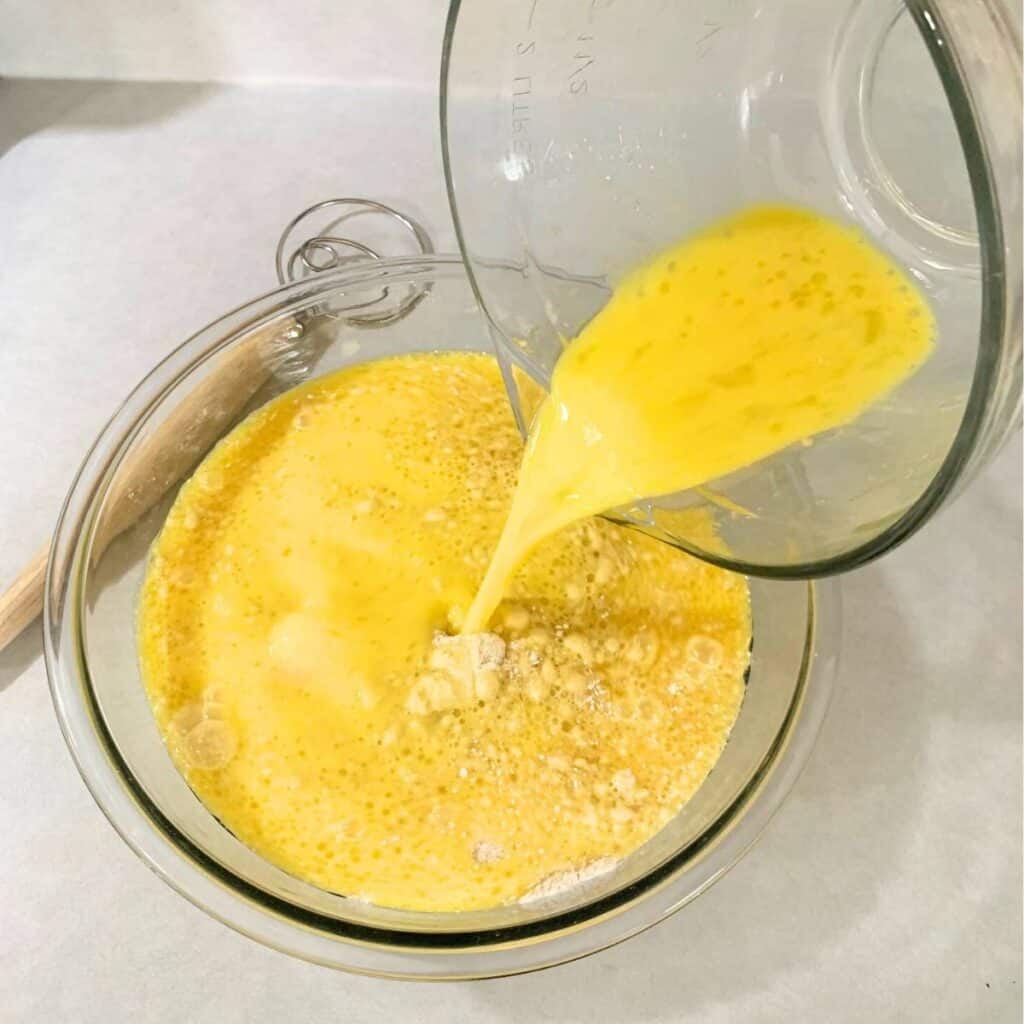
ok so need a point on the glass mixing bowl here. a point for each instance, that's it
(582, 136)
(116, 507)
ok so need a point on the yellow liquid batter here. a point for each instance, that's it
(293, 627)
(766, 329)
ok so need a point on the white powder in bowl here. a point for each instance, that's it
(562, 881)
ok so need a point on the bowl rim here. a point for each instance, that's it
(273, 920)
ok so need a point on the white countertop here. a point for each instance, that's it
(887, 889)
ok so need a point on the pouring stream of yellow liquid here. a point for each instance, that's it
(764, 330)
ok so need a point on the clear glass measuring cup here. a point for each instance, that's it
(582, 136)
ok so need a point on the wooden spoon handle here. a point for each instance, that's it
(22, 601)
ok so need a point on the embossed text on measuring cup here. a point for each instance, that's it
(520, 159)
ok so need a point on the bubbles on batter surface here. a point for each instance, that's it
(205, 739)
